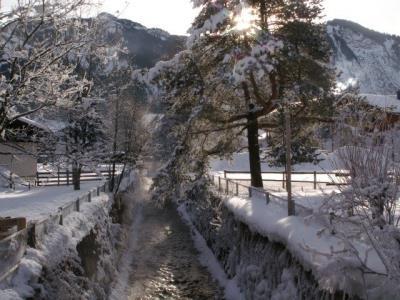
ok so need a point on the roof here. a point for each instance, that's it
(386, 102)
(34, 124)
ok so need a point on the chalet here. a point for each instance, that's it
(18, 153)
(389, 104)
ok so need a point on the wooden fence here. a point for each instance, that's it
(230, 187)
(64, 177)
(329, 177)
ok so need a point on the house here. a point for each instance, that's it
(19, 149)
(389, 105)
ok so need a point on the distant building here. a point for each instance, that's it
(389, 104)
(18, 153)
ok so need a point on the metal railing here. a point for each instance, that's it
(13, 248)
(230, 187)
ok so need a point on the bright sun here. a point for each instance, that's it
(245, 20)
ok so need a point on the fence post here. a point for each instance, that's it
(219, 183)
(283, 180)
(237, 189)
(226, 186)
(250, 192)
(32, 235)
(224, 173)
(267, 197)
(98, 191)
(67, 176)
(37, 179)
(77, 205)
(90, 197)
(315, 180)
(61, 218)
(58, 175)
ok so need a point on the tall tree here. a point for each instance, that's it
(269, 53)
(245, 59)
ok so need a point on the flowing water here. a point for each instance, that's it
(164, 260)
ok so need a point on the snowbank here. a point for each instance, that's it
(208, 260)
(58, 246)
(309, 241)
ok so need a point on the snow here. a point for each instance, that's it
(208, 260)
(39, 202)
(34, 123)
(305, 238)
(373, 64)
(58, 244)
(386, 102)
(240, 162)
(209, 26)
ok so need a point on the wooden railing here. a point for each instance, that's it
(230, 187)
(314, 181)
(64, 177)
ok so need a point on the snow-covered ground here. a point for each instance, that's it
(240, 162)
(303, 191)
(39, 202)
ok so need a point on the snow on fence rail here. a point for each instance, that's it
(65, 177)
(13, 248)
(230, 187)
(315, 178)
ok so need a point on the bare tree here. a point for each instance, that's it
(364, 213)
(36, 38)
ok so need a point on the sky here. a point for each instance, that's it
(175, 16)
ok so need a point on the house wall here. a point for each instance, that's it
(21, 162)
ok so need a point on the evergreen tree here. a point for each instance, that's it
(271, 54)
(246, 60)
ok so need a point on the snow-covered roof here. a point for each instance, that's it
(34, 123)
(386, 102)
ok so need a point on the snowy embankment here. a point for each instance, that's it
(39, 202)
(75, 260)
(311, 242)
(208, 259)
(55, 268)
(265, 251)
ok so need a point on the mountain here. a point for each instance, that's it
(363, 56)
(145, 46)
(370, 58)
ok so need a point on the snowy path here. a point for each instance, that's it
(161, 260)
(40, 202)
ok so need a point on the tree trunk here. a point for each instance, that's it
(76, 177)
(288, 146)
(254, 149)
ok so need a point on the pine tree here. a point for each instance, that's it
(280, 56)
(236, 75)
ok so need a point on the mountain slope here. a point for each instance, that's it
(145, 46)
(370, 58)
